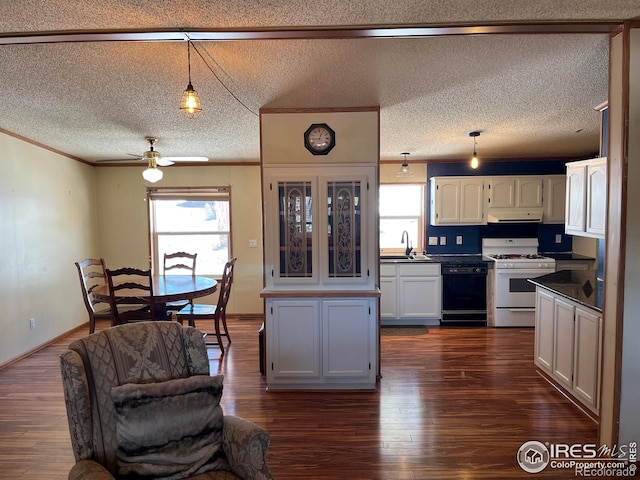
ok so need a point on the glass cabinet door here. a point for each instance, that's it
(344, 229)
(295, 229)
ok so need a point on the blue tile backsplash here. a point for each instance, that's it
(472, 235)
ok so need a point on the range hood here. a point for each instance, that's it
(514, 215)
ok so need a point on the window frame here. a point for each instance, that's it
(186, 193)
(419, 244)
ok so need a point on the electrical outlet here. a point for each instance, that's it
(32, 323)
(443, 240)
(253, 243)
(433, 240)
(459, 240)
(558, 238)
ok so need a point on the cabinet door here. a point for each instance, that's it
(553, 198)
(544, 330)
(502, 192)
(420, 297)
(293, 340)
(587, 356)
(388, 297)
(529, 192)
(472, 201)
(596, 199)
(348, 338)
(563, 342)
(575, 207)
(445, 196)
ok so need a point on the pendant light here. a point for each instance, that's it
(404, 168)
(152, 174)
(190, 104)
(474, 160)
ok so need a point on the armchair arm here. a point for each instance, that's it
(245, 444)
(89, 470)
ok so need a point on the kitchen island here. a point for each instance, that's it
(568, 336)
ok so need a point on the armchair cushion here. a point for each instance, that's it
(171, 429)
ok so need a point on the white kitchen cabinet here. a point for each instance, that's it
(586, 198)
(544, 330)
(417, 298)
(318, 228)
(563, 317)
(457, 201)
(515, 192)
(388, 292)
(321, 343)
(553, 198)
(568, 345)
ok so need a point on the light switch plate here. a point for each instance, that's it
(443, 240)
(253, 243)
(433, 240)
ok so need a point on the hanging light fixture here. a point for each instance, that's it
(404, 168)
(152, 173)
(190, 104)
(474, 160)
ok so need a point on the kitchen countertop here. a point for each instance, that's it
(460, 259)
(581, 286)
(567, 256)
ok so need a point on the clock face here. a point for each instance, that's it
(319, 139)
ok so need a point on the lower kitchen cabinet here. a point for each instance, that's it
(567, 345)
(410, 294)
(321, 343)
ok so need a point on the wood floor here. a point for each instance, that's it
(455, 403)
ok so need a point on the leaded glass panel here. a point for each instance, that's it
(296, 229)
(344, 228)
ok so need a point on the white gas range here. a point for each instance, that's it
(512, 298)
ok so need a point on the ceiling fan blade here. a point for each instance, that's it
(163, 162)
(186, 159)
(117, 160)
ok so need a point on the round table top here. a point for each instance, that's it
(167, 288)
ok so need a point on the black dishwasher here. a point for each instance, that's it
(464, 294)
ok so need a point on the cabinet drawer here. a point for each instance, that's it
(387, 270)
(419, 270)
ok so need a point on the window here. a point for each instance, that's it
(401, 208)
(193, 221)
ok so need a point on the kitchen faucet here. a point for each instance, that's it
(407, 251)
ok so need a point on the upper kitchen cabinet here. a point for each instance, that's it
(317, 227)
(554, 198)
(586, 198)
(515, 192)
(457, 201)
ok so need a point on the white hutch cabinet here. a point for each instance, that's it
(586, 198)
(320, 256)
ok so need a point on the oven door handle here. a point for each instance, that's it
(524, 271)
(521, 309)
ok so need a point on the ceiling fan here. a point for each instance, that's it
(154, 156)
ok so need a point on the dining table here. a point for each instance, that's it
(166, 288)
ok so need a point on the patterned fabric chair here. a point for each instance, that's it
(141, 404)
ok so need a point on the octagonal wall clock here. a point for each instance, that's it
(319, 139)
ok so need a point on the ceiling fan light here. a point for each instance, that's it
(152, 174)
(190, 104)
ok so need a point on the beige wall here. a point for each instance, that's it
(48, 221)
(123, 221)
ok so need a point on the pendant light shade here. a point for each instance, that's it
(190, 105)
(404, 168)
(474, 163)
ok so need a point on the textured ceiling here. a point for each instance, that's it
(530, 95)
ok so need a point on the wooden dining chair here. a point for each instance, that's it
(136, 305)
(196, 311)
(92, 273)
(179, 263)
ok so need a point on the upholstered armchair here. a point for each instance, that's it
(141, 404)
